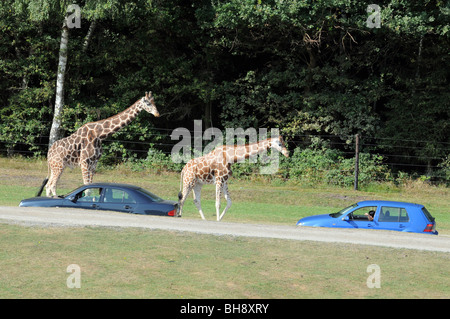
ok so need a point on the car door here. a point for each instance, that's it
(393, 218)
(87, 198)
(358, 218)
(118, 200)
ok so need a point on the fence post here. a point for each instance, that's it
(355, 185)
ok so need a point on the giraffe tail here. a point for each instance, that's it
(42, 187)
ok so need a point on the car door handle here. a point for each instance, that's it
(127, 207)
(94, 206)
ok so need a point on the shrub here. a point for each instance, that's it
(326, 166)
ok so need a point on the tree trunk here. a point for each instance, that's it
(311, 65)
(88, 37)
(55, 131)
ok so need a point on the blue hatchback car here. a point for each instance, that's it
(378, 214)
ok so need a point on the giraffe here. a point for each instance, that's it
(215, 167)
(84, 147)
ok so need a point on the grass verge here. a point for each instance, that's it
(136, 263)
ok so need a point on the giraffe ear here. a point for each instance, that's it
(146, 95)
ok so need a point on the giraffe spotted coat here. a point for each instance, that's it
(215, 168)
(84, 147)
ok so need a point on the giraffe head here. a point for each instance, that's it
(278, 144)
(148, 104)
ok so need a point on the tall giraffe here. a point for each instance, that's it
(215, 167)
(84, 147)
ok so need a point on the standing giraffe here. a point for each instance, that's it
(215, 167)
(84, 147)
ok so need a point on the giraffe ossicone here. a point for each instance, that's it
(84, 147)
(215, 168)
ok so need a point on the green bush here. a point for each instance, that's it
(156, 161)
(327, 166)
(306, 166)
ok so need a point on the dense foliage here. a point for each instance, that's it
(313, 68)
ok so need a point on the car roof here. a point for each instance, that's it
(114, 185)
(387, 202)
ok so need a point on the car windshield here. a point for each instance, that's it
(152, 196)
(342, 212)
(71, 193)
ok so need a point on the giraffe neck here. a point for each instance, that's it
(114, 123)
(237, 153)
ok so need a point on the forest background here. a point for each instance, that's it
(320, 71)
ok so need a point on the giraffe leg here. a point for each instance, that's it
(55, 174)
(92, 169)
(219, 186)
(88, 171)
(228, 198)
(197, 199)
(84, 172)
(182, 198)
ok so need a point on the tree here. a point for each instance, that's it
(95, 12)
(55, 131)
(307, 67)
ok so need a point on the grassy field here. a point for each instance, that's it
(159, 264)
(135, 263)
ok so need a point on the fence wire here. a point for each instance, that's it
(398, 155)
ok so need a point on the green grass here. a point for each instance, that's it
(138, 263)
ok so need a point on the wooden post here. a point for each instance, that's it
(355, 185)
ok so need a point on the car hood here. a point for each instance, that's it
(40, 201)
(316, 220)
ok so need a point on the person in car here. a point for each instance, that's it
(370, 215)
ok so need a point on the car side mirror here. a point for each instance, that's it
(73, 199)
(346, 218)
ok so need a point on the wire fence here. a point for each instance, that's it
(408, 155)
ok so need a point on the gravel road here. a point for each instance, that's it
(61, 217)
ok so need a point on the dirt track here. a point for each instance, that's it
(59, 217)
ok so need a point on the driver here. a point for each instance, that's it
(370, 215)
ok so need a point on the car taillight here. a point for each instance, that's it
(429, 228)
(171, 213)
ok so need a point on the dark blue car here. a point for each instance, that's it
(109, 196)
(377, 214)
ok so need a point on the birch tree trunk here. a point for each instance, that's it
(88, 37)
(55, 131)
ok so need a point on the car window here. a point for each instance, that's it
(362, 213)
(127, 198)
(343, 211)
(393, 214)
(150, 195)
(427, 214)
(90, 195)
(113, 195)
